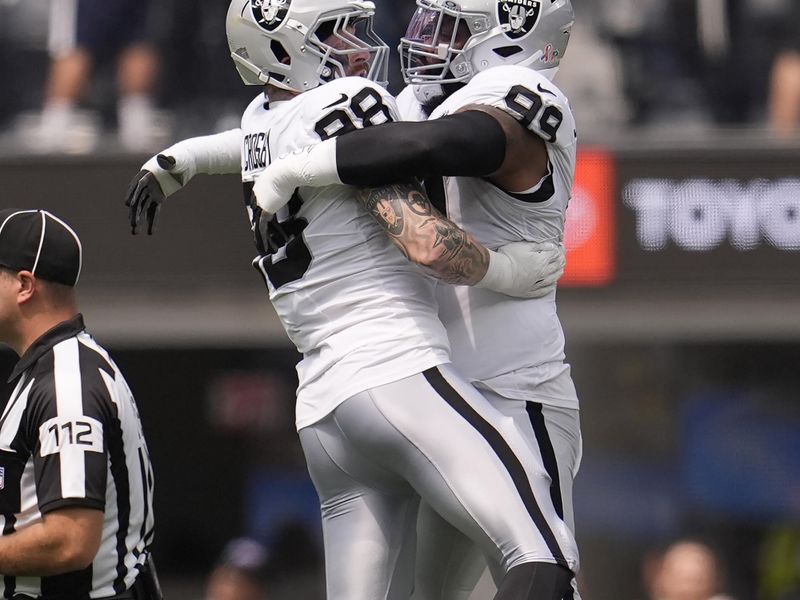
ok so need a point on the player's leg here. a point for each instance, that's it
(368, 528)
(466, 461)
(555, 434)
(562, 427)
(543, 579)
(564, 431)
(448, 563)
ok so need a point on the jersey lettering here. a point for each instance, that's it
(256, 151)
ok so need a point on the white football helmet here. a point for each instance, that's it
(299, 44)
(449, 41)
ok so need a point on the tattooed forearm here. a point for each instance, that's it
(418, 202)
(463, 261)
(385, 207)
(424, 235)
(450, 237)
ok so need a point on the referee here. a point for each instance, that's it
(76, 485)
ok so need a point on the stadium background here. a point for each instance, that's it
(680, 307)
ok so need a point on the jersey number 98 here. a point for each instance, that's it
(527, 104)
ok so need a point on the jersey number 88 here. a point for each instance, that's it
(368, 107)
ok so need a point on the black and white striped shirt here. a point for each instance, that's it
(70, 435)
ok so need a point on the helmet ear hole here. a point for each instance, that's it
(280, 52)
(507, 51)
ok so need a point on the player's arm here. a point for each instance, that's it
(172, 168)
(477, 141)
(525, 161)
(467, 144)
(449, 253)
(424, 236)
(66, 539)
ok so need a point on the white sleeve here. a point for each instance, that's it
(216, 154)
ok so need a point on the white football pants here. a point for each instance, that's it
(448, 564)
(432, 436)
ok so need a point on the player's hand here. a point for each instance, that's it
(160, 177)
(525, 269)
(275, 185)
(314, 166)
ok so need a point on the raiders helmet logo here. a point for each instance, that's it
(519, 16)
(269, 14)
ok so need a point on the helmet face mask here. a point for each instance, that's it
(433, 47)
(298, 45)
(347, 46)
(450, 41)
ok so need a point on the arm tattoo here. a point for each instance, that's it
(385, 205)
(418, 203)
(424, 235)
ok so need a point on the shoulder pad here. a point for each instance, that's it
(526, 95)
(347, 104)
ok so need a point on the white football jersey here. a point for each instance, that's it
(409, 107)
(361, 314)
(508, 344)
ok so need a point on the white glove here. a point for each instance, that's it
(314, 166)
(525, 269)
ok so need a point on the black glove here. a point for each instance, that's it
(151, 186)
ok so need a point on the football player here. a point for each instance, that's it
(497, 153)
(383, 417)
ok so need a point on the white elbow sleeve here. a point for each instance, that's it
(216, 154)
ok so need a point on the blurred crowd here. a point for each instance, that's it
(84, 75)
(692, 63)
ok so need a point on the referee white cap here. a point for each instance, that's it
(39, 242)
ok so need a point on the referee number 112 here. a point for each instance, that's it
(82, 436)
(84, 433)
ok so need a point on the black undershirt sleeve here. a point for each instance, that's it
(469, 144)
